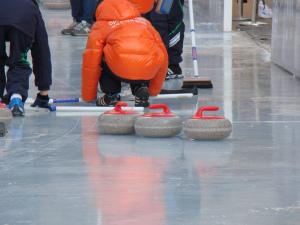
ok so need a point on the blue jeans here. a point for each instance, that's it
(83, 10)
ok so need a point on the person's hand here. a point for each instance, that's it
(41, 101)
(5, 99)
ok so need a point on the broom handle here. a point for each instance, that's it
(193, 33)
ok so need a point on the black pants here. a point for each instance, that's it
(110, 83)
(171, 29)
(19, 69)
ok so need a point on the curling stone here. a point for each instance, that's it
(202, 127)
(56, 4)
(117, 121)
(161, 125)
(5, 119)
(5, 114)
(3, 130)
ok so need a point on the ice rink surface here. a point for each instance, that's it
(57, 169)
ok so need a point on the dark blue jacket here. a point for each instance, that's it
(25, 16)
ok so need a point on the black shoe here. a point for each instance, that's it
(41, 101)
(142, 97)
(174, 72)
(108, 100)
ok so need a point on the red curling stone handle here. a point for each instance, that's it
(164, 107)
(200, 113)
(165, 113)
(2, 105)
(118, 110)
(119, 105)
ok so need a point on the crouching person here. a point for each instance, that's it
(123, 47)
(22, 25)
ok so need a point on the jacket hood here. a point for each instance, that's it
(122, 9)
(143, 6)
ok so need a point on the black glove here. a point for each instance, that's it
(5, 99)
(41, 101)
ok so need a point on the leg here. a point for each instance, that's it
(88, 8)
(3, 58)
(111, 87)
(76, 10)
(77, 17)
(160, 23)
(19, 68)
(140, 90)
(135, 85)
(176, 36)
(109, 84)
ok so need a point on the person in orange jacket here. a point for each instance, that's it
(123, 47)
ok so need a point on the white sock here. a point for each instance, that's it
(16, 96)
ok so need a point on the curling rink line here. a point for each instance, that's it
(265, 121)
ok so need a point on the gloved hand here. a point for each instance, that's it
(5, 99)
(41, 101)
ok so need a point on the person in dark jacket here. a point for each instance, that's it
(22, 25)
(171, 28)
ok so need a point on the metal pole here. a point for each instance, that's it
(77, 100)
(174, 96)
(240, 11)
(254, 11)
(193, 34)
(90, 109)
(240, 8)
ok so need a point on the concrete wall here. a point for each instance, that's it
(285, 35)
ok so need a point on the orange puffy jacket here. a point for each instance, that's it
(131, 47)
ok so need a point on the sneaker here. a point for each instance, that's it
(174, 72)
(81, 29)
(264, 11)
(16, 106)
(108, 100)
(70, 28)
(142, 97)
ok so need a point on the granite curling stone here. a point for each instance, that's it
(5, 119)
(158, 125)
(117, 121)
(3, 130)
(5, 114)
(202, 127)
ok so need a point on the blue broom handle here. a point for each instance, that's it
(65, 100)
